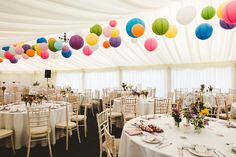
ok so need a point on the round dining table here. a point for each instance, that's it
(144, 105)
(14, 117)
(177, 141)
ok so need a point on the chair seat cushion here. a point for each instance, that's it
(62, 125)
(117, 143)
(39, 130)
(80, 118)
(114, 114)
(129, 117)
(5, 133)
(223, 116)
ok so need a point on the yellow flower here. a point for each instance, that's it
(204, 112)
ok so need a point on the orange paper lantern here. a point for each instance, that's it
(106, 44)
(30, 53)
(138, 30)
(1, 60)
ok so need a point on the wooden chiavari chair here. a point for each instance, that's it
(112, 144)
(129, 108)
(39, 126)
(160, 106)
(6, 133)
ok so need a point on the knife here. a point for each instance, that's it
(165, 145)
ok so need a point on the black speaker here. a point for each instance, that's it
(47, 74)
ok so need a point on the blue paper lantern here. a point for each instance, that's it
(131, 23)
(6, 48)
(203, 31)
(58, 45)
(41, 40)
(66, 54)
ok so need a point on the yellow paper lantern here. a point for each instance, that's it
(172, 31)
(220, 10)
(92, 39)
(114, 32)
(38, 49)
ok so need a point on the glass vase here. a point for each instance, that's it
(197, 129)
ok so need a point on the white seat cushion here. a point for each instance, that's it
(5, 133)
(129, 117)
(223, 116)
(115, 114)
(80, 118)
(39, 130)
(62, 125)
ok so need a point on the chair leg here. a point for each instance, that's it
(110, 126)
(67, 139)
(92, 110)
(85, 128)
(49, 145)
(13, 145)
(29, 145)
(78, 134)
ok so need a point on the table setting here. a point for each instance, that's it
(215, 140)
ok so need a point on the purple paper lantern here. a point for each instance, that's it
(26, 47)
(14, 60)
(76, 42)
(225, 25)
(115, 42)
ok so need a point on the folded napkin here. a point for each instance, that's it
(133, 132)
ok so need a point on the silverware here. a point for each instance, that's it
(165, 145)
(222, 154)
(181, 152)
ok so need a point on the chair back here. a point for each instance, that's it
(110, 144)
(38, 117)
(232, 91)
(184, 90)
(216, 90)
(220, 104)
(129, 106)
(160, 106)
(97, 94)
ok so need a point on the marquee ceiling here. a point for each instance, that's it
(26, 20)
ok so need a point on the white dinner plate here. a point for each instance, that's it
(209, 153)
(152, 139)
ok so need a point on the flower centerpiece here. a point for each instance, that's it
(176, 114)
(124, 86)
(28, 99)
(144, 92)
(36, 83)
(196, 114)
(210, 88)
(39, 98)
(135, 92)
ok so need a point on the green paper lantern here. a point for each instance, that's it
(96, 29)
(208, 12)
(160, 26)
(51, 46)
(33, 47)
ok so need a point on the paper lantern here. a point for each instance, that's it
(229, 12)
(112, 23)
(137, 30)
(12, 50)
(1, 60)
(186, 14)
(208, 12)
(65, 48)
(94, 47)
(130, 25)
(220, 10)
(41, 40)
(26, 47)
(226, 26)
(76, 42)
(8, 55)
(160, 26)
(51, 42)
(106, 44)
(13, 60)
(30, 53)
(25, 56)
(19, 50)
(43, 47)
(38, 49)
(66, 54)
(87, 51)
(114, 32)
(204, 31)
(54, 55)
(92, 39)
(115, 42)
(5, 48)
(150, 44)
(58, 45)
(44, 54)
(96, 29)
(106, 31)
(172, 31)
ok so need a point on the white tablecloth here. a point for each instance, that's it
(215, 135)
(145, 106)
(17, 121)
(233, 111)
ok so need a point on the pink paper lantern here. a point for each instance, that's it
(150, 44)
(65, 48)
(106, 31)
(44, 54)
(43, 46)
(25, 56)
(87, 51)
(8, 55)
(19, 50)
(229, 12)
(113, 23)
